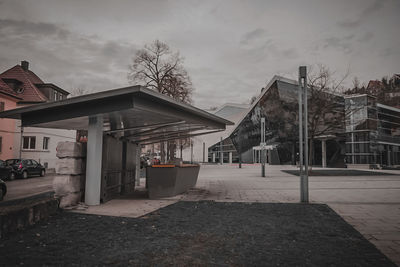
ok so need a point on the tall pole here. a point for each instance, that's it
(300, 131)
(303, 133)
(262, 144)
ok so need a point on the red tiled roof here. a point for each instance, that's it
(5, 89)
(375, 84)
(28, 79)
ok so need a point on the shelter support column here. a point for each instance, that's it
(213, 157)
(230, 157)
(204, 152)
(94, 159)
(323, 145)
(137, 165)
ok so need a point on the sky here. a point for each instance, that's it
(231, 48)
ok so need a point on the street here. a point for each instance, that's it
(21, 188)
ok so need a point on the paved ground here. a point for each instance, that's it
(201, 233)
(370, 203)
(20, 188)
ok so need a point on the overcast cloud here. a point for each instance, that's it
(231, 48)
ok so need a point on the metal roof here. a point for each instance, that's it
(134, 113)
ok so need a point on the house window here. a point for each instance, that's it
(29, 142)
(46, 141)
(1, 106)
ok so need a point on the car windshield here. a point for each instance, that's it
(12, 161)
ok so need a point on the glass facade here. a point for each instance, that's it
(372, 132)
(360, 130)
(279, 107)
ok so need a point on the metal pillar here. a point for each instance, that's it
(204, 152)
(303, 134)
(213, 157)
(94, 160)
(262, 144)
(221, 153)
(323, 145)
(230, 157)
(191, 151)
(137, 163)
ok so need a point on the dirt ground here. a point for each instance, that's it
(193, 234)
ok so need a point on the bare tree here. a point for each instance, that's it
(253, 99)
(78, 91)
(157, 67)
(326, 110)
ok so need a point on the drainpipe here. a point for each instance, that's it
(20, 143)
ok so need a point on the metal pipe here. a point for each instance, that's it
(145, 126)
(179, 136)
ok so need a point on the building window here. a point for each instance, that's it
(46, 141)
(1, 143)
(55, 95)
(29, 142)
(1, 106)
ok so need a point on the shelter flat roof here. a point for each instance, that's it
(135, 113)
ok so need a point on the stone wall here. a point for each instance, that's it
(19, 214)
(69, 182)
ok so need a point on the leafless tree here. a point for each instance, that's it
(78, 91)
(326, 110)
(253, 99)
(157, 67)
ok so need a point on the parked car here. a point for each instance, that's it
(3, 189)
(6, 172)
(26, 167)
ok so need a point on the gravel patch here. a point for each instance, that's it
(193, 234)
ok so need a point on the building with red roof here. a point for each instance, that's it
(19, 86)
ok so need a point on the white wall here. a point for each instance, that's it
(39, 154)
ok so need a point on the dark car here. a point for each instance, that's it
(26, 167)
(3, 189)
(6, 172)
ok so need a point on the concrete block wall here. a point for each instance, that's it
(69, 182)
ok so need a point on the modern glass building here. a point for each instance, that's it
(278, 104)
(360, 132)
(372, 132)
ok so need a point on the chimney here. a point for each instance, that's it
(25, 65)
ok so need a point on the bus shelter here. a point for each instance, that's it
(134, 115)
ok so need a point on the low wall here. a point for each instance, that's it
(69, 182)
(18, 214)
